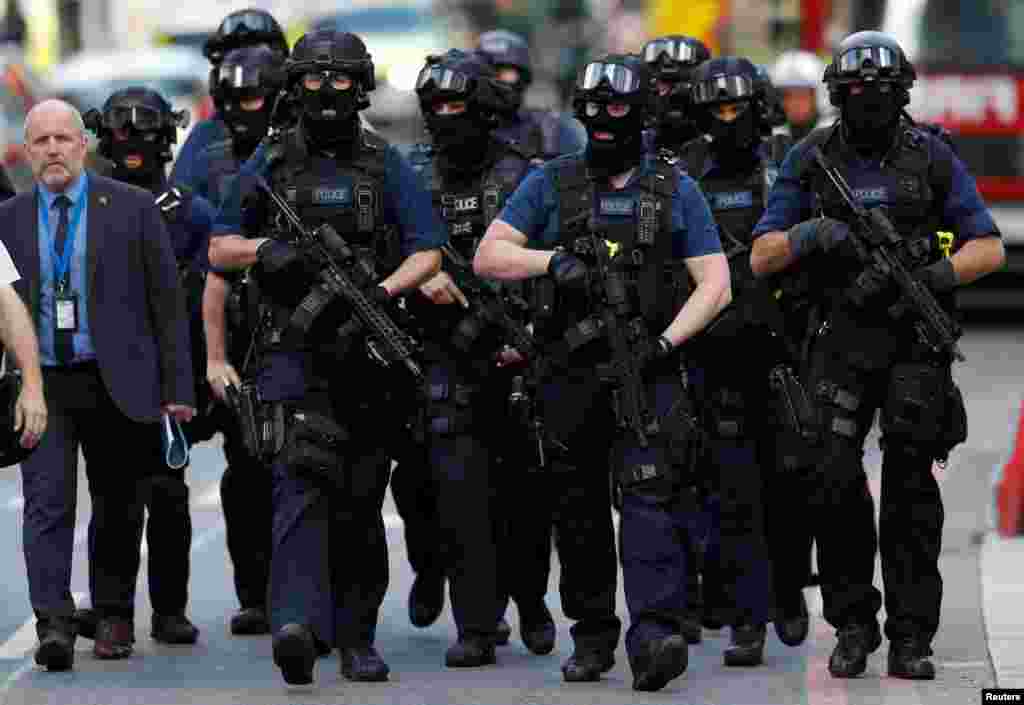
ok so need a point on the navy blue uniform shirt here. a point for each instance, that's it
(407, 203)
(533, 211)
(202, 135)
(791, 202)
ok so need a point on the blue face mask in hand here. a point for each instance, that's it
(174, 444)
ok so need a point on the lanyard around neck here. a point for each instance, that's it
(62, 260)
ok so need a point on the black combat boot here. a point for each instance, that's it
(426, 599)
(908, 658)
(250, 621)
(792, 622)
(537, 628)
(856, 641)
(587, 664)
(746, 645)
(470, 652)
(363, 663)
(295, 653)
(173, 629)
(658, 662)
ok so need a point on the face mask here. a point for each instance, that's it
(623, 151)
(455, 135)
(870, 115)
(675, 125)
(138, 160)
(740, 135)
(247, 127)
(329, 105)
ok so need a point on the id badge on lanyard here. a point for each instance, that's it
(65, 304)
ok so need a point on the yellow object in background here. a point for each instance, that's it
(945, 243)
(696, 18)
(42, 34)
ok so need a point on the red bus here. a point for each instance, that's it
(969, 57)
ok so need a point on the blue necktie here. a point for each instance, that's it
(63, 340)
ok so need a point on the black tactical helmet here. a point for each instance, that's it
(250, 72)
(245, 28)
(729, 79)
(140, 108)
(866, 57)
(327, 50)
(469, 76)
(672, 58)
(616, 78)
(504, 48)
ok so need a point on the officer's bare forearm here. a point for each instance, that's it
(503, 254)
(977, 258)
(215, 296)
(231, 252)
(713, 293)
(771, 253)
(18, 334)
(414, 271)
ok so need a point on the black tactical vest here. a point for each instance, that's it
(737, 202)
(468, 209)
(346, 194)
(642, 249)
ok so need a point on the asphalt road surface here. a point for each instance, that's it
(226, 669)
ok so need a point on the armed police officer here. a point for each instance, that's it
(736, 171)
(470, 172)
(797, 76)
(364, 232)
(672, 60)
(248, 82)
(612, 234)
(882, 344)
(544, 133)
(244, 28)
(136, 129)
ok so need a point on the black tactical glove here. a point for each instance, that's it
(817, 233)
(174, 203)
(652, 350)
(939, 277)
(379, 295)
(568, 271)
(276, 256)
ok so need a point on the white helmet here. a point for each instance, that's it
(798, 69)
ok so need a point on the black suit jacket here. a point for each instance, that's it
(136, 309)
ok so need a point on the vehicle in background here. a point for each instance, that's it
(20, 89)
(969, 58)
(399, 38)
(179, 74)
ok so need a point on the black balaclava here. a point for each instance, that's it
(735, 143)
(624, 151)
(675, 126)
(149, 150)
(140, 159)
(870, 118)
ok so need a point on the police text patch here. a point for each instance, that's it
(872, 195)
(616, 205)
(332, 196)
(728, 200)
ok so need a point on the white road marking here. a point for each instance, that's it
(25, 638)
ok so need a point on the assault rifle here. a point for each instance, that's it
(624, 331)
(491, 306)
(341, 274)
(876, 242)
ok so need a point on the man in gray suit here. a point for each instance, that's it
(99, 276)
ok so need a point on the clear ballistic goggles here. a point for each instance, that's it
(854, 62)
(248, 22)
(621, 79)
(444, 79)
(315, 80)
(672, 49)
(239, 77)
(722, 89)
(142, 117)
